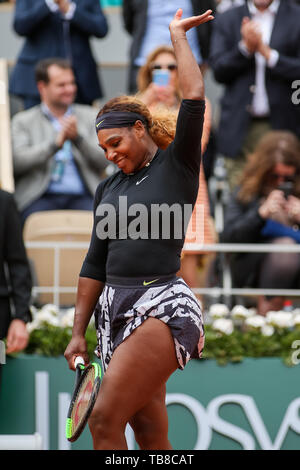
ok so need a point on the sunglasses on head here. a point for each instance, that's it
(170, 67)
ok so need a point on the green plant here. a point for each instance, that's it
(240, 344)
(229, 337)
(52, 340)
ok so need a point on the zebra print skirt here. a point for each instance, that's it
(125, 304)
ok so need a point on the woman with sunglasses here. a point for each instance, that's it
(157, 80)
(265, 208)
(149, 323)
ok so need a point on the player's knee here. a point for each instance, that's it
(150, 440)
(103, 423)
(145, 439)
(150, 435)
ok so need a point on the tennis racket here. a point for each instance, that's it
(87, 383)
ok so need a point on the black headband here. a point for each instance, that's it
(115, 119)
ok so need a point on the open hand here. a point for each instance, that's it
(181, 26)
(63, 5)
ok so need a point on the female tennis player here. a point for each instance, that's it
(148, 321)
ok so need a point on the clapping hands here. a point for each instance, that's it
(68, 131)
(63, 5)
(251, 34)
(252, 38)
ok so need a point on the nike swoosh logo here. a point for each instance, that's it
(100, 122)
(145, 283)
(139, 182)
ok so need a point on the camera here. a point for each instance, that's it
(286, 188)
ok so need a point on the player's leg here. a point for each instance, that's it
(138, 370)
(150, 424)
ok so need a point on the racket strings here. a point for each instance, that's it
(82, 400)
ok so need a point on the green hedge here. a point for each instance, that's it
(49, 340)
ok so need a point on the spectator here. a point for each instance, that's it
(154, 96)
(57, 162)
(266, 209)
(147, 22)
(150, 92)
(15, 278)
(255, 52)
(57, 28)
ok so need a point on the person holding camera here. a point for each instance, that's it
(265, 208)
(157, 79)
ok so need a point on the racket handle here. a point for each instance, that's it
(78, 360)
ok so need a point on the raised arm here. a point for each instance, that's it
(187, 142)
(189, 75)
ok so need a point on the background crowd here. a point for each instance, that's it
(252, 48)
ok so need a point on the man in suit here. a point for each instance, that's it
(147, 22)
(57, 28)
(57, 161)
(224, 5)
(255, 54)
(15, 277)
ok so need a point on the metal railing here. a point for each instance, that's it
(57, 247)
(225, 290)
